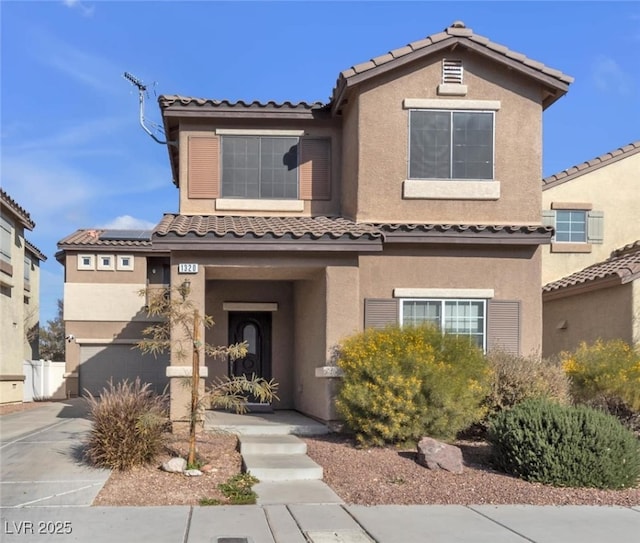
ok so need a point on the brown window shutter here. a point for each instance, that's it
(315, 169)
(204, 167)
(503, 326)
(378, 312)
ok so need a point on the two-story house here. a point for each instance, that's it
(590, 270)
(19, 297)
(413, 195)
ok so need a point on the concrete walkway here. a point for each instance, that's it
(46, 493)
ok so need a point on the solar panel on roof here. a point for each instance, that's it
(126, 235)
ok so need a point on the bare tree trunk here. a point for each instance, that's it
(195, 385)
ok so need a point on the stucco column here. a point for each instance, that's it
(180, 371)
(344, 318)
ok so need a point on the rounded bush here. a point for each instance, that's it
(128, 425)
(544, 442)
(401, 384)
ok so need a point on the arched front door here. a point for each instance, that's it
(255, 329)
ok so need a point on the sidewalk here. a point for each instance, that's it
(45, 494)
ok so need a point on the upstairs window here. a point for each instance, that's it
(6, 240)
(259, 167)
(571, 226)
(451, 144)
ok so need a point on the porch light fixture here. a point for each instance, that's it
(184, 289)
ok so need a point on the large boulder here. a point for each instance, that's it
(434, 454)
(175, 465)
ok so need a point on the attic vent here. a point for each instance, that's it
(452, 71)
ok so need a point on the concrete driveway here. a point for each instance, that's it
(41, 457)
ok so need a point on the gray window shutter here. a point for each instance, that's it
(549, 217)
(595, 227)
(378, 312)
(503, 326)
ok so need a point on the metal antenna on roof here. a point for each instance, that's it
(142, 91)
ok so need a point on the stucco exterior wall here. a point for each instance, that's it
(613, 189)
(608, 313)
(383, 138)
(513, 274)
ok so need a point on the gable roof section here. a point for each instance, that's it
(456, 35)
(86, 237)
(623, 266)
(20, 213)
(591, 165)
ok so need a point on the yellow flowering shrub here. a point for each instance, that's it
(401, 384)
(605, 373)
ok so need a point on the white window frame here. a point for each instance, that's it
(105, 267)
(443, 302)
(86, 267)
(585, 224)
(6, 227)
(122, 266)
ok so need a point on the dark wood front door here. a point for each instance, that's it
(255, 329)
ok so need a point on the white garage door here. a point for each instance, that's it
(101, 363)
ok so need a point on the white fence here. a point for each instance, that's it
(44, 380)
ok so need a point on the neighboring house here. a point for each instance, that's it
(600, 302)
(19, 298)
(594, 209)
(412, 195)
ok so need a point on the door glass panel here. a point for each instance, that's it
(249, 334)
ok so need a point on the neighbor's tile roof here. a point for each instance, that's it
(169, 100)
(590, 165)
(91, 237)
(623, 263)
(490, 228)
(19, 211)
(455, 34)
(264, 227)
(34, 250)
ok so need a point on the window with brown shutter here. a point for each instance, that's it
(204, 169)
(315, 169)
(379, 312)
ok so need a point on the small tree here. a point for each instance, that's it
(180, 329)
(52, 337)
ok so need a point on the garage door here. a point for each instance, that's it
(101, 363)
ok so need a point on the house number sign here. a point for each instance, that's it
(187, 268)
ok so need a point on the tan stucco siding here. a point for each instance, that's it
(75, 275)
(350, 159)
(104, 302)
(600, 314)
(613, 189)
(513, 274)
(207, 206)
(383, 151)
(282, 328)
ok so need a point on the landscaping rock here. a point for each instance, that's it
(434, 454)
(175, 465)
(193, 473)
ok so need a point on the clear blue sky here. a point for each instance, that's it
(73, 155)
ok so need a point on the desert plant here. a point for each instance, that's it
(128, 422)
(238, 489)
(179, 331)
(605, 374)
(516, 378)
(401, 384)
(542, 441)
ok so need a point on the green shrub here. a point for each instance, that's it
(605, 374)
(128, 424)
(544, 442)
(238, 489)
(517, 378)
(401, 384)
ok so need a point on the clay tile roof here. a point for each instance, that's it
(18, 211)
(456, 34)
(85, 238)
(591, 165)
(34, 250)
(263, 227)
(624, 264)
(475, 228)
(168, 100)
